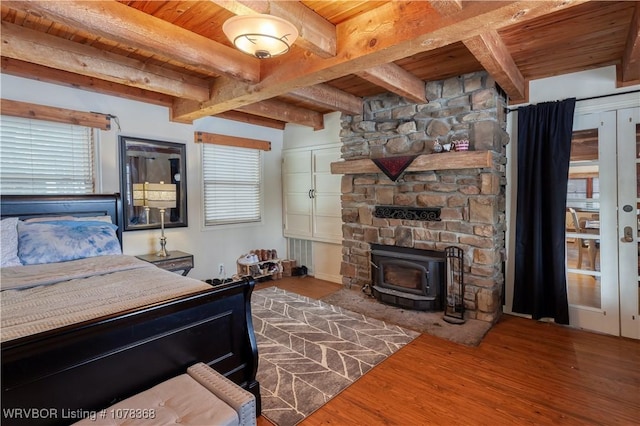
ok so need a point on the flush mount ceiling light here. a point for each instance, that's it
(262, 36)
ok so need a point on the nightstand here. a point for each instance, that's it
(176, 261)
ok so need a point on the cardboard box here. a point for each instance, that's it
(287, 266)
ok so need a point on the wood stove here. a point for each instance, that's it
(407, 277)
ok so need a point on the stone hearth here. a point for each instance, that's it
(470, 198)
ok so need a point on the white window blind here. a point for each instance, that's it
(41, 157)
(232, 184)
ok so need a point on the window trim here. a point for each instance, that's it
(54, 114)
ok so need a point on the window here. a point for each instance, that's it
(232, 184)
(583, 187)
(41, 157)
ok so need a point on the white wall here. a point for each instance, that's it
(210, 247)
(580, 85)
(296, 136)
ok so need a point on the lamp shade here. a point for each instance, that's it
(138, 194)
(160, 195)
(262, 36)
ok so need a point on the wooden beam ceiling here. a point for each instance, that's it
(51, 51)
(396, 80)
(256, 120)
(329, 97)
(281, 111)
(319, 36)
(391, 32)
(490, 51)
(118, 22)
(236, 85)
(69, 79)
(447, 7)
(631, 58)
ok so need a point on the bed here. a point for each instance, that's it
(56, 372)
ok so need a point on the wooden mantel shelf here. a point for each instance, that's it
(425, 162)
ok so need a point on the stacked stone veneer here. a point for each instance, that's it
(472, 200)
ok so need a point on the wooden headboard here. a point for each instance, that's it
(30, 206)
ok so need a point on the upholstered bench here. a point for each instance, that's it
(200, 397)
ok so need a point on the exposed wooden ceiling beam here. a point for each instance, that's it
(491, 52)
(386, 34)
(50, 51)
(329, 97)
(446, 7)
(123, 24)
(64, 78)
(243, 7)
(631, 58)
(317, 35)
(396, 80)
(277, 110)
(243, 117)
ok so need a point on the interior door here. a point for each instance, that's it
(602, 223)
(296, 188)
(327, 207)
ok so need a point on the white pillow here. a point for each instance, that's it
(9, 242)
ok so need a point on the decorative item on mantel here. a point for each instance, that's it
(461, 145)
(454, 285)
(393, 167)
(443, 147)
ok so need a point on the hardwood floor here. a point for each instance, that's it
(523, 372)
(307, 286)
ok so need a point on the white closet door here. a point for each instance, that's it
(296, 185)
(327, 224)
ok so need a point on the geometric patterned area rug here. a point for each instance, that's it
(309, 351)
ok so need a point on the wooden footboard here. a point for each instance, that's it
(51, 377)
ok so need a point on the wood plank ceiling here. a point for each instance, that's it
(174, 53)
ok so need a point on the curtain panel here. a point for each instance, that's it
(544, 148)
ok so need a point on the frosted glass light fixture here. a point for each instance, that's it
(262, 36)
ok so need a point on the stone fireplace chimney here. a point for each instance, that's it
(467, 186)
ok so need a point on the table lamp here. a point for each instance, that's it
(161, 196)
(139, 199)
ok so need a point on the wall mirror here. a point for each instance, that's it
(144, 164)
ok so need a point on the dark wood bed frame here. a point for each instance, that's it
(90, 365)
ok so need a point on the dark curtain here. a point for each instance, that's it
(544, 148)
